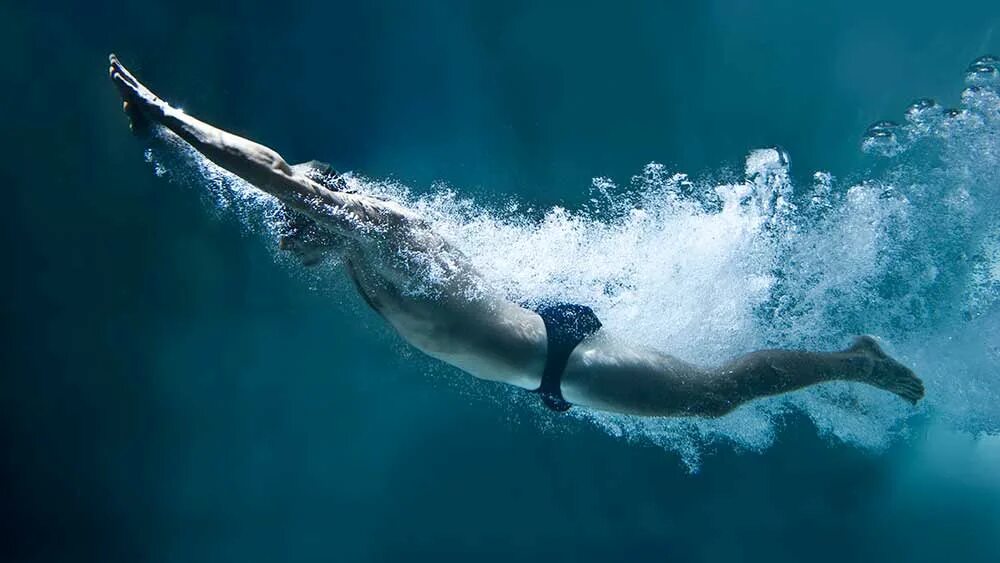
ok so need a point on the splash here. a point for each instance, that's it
(706, 271)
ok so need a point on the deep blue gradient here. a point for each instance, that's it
(169, 393)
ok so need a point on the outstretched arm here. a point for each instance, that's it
(607, 375)
(341, 212)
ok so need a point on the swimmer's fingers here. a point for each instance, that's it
(128, 83)
(138, 102)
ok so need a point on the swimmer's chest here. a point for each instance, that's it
(417, 319)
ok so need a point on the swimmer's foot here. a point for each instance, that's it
(887, 373)
(140, 104)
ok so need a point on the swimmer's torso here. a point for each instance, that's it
(421, 286)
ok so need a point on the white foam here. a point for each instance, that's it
(705, 272)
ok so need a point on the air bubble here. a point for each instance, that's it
(921, 105)
(984, 71)
(764, 162)
(919, 110)
(881, 138)
(973, 93)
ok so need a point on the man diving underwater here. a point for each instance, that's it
(559, 351)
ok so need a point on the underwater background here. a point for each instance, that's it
(175, 390)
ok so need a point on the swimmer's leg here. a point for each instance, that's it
(773, 372)
(609, 376)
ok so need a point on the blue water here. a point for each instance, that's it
(175, 389)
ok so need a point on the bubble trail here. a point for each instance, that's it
(707, 271)
(984, 71)
(881, 138)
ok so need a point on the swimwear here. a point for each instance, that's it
(566, 325)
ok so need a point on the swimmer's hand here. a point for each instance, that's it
(140, 104)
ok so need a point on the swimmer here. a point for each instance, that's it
(430, 294)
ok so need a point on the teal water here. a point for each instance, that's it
(174, 390)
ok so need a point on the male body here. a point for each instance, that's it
(560, 350)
